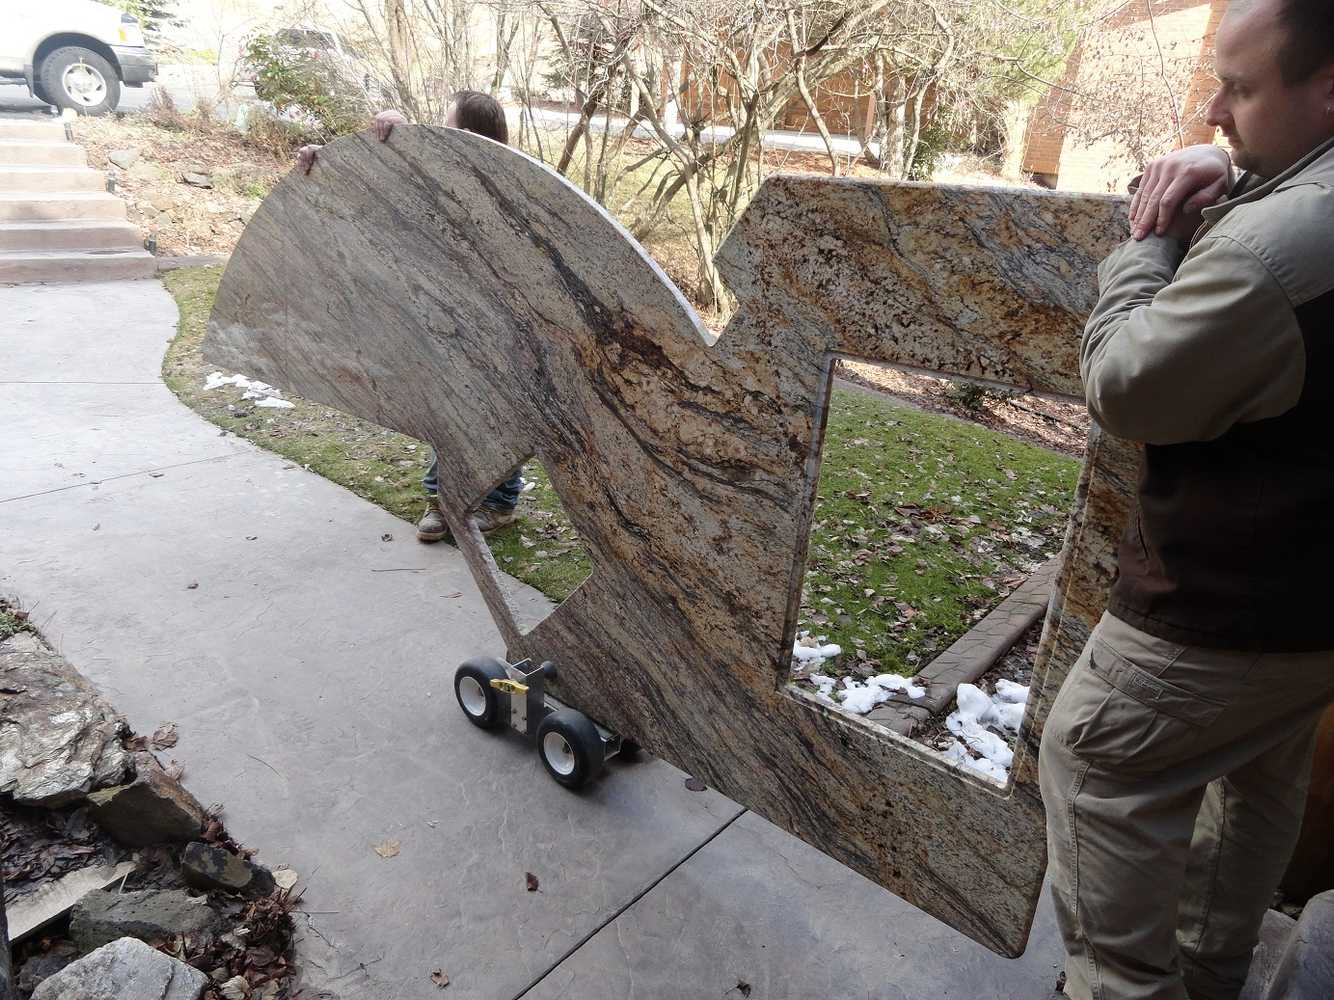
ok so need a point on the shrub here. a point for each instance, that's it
(312, 93)
(161, 110)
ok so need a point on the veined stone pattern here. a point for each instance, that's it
(457, 291)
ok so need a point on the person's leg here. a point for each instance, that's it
(431, 481)
(506, 495)
(1244, 836)
(1117, 842)
(432, 527)
(1139, 730)
(498, 509)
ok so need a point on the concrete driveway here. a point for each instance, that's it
(200, 580)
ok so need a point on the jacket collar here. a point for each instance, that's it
(1316, 167)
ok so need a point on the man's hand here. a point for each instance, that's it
(385, 121)
(305, 158)
(1175, 187)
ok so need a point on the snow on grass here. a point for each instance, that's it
(265, 394)
(858, 696)
(813, 652)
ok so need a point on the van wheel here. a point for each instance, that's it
(78, 78)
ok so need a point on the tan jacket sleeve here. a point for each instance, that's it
(1174, 354)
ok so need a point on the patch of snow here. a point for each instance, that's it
(825, 683)
(959, 756)
(861, 697)
(266, 394)
(976, 747)
(808, 654)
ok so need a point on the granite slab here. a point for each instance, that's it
(458, 291)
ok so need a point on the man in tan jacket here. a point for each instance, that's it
(1176, 759)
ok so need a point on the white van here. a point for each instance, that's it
(73, 53)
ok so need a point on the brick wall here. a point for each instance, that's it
(1133, 89)
(844, 101)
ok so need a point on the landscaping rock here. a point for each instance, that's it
(123, 158)
(58, 738)
(149, 915)
(147, 172)
(198, 180)
(124, 970)
(205, 867)
(151, 809)
(42, 967)
(163, 201)
(1306, 970)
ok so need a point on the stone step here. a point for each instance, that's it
(45, 131)
(36, 151)
(15, 236)
(64, 266)
(61, 207)
(45, 179)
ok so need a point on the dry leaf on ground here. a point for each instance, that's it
(533, 883)
(164, 738)
(439, 978)
(388, 849)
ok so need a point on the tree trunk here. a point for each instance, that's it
(895, 120)
(913, 134)
(807, 97)
(401, 57)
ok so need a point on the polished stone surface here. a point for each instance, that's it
(457, 291)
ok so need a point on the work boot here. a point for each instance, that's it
(491, 518)
(432, 527)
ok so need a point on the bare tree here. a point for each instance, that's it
(680, 94)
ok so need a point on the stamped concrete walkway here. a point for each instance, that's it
(312, 691)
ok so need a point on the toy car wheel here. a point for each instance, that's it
(481, 703)
(570, 747)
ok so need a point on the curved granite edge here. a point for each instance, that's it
(453, 289)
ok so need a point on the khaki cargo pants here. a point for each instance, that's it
(1174, 779)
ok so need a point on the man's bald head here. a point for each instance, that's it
(1307, 28)
(1275, 65)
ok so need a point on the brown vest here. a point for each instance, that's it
(1233, 543)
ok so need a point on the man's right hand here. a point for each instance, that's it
(305, 158)
(385, 121)
(1174, 188)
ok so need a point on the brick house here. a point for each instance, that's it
(1135, 87)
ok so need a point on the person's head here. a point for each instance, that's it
(1275, 65)
(480, 113)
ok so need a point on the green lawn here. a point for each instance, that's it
(922, 522)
